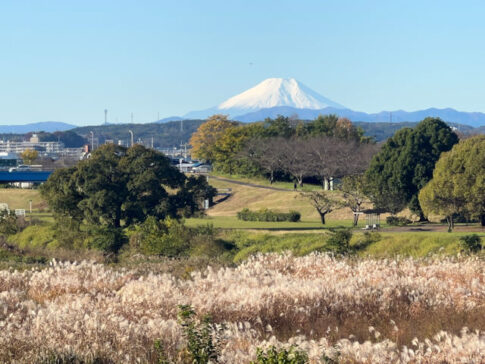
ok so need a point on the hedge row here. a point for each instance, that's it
(397, 221)
(268, 215)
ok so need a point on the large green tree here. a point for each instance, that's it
(228, 156)
(204, 139)
(119, 185)
(405, 164)
(458, 184)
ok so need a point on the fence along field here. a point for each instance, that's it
(351, 311)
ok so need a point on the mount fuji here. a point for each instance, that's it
(271, 93)
(288, 97)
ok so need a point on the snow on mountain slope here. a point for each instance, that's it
(272, 92)
(278, 92)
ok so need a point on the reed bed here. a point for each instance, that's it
(349, 310)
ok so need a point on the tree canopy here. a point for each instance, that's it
(119, 185)
(327, 147)
(458, 184)
(29, 156)
(405, 164)
(204, 139)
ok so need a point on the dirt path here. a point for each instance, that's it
(250, 184)
(434, 228)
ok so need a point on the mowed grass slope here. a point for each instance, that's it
(18, 198)
(415, 244)
(255, 198)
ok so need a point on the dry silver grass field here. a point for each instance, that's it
(359, 311)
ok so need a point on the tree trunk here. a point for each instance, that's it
(356, 219)
(422, 218)
(117, 221)
(482, 220)
(322, 217)
(300, 181)
(451, 224)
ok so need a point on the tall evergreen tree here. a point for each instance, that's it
(405, 164)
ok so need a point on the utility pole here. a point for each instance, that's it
(129, 131)
(92, 140)
(152, 141)
(185, 149)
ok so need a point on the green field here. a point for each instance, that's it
(232, 222)
(265, 182)
(251, 237)
(17, 198)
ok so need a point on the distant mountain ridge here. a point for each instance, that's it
(475, 119)
(289, 97)
(272, 92)
(47, 126)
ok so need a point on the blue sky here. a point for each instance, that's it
(69, 60)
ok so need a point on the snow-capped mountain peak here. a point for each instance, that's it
(278, 92)
(271, 93)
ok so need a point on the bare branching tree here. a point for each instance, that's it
(332, 157)
(296, 159)
(354, 197)
(324, 157)
(322, 202)
(266, 154)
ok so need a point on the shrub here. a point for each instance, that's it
(472, 242)
(10, 224)
(167, 237)
(159, 353)
(368, 238)
(339, 242)
(171, 238)
(106, 239)
(283, 356)
(397, 221)
(268, 215)
(35, 236)
(201, 336)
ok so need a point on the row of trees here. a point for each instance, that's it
(326, 147)
(392, 178)
(324, 157)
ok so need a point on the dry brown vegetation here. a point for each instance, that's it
(359, 311)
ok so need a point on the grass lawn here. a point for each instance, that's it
(416, 244)
(232, 222)
(18, 198)
(265, 182)
(259, 198)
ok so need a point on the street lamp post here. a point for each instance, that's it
(92, 140)
(131, 133)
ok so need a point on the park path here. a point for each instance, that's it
(250, 184)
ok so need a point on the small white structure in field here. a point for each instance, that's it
(19, 212)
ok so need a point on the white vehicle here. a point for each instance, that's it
(202, 168)
(20, 168)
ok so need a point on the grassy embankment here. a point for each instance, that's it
(251, 237)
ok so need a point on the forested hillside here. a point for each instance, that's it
(165, 135)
